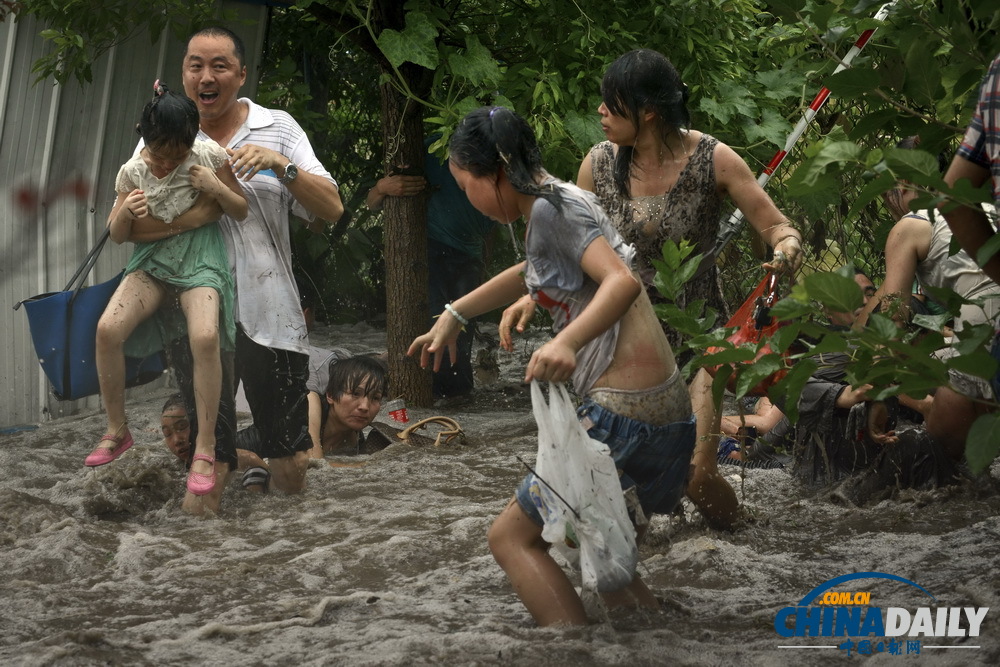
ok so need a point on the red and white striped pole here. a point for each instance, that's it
(730, 228)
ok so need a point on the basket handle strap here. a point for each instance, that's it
(76, 282)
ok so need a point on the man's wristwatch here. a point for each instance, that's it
(291, 171)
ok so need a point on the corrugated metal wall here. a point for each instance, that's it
(51, 139)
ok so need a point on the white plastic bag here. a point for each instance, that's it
(577, 492)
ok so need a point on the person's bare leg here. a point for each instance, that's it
(949, 419)
(211, 501)
(517, 545)
(707, 489)
(136, 299)
(288, 473)
(201, 309)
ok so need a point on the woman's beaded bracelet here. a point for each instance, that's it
(454, 313)
(787, 236)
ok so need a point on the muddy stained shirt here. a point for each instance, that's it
(260, 255)
(554, 246)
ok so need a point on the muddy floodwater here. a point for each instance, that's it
(386, 563)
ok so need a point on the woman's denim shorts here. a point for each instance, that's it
(654, 459)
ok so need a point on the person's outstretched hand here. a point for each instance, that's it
(515, 316)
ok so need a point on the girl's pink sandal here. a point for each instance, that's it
(103, 455)
(200, 484)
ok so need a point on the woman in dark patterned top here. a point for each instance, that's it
(658, 179)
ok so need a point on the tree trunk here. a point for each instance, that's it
(405, 237)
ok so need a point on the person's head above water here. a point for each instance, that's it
(355, 391)
(176, 427)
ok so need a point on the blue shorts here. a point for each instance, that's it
(654, 459)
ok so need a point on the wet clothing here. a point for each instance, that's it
(957, 272)
(319, 375)
(691, 210)
(655, 460)
(272, 340)
(274, 380)
(452, 275)
(831, 444)
(260, 255)
(554, 246)
(654, 457)
(250, 438)
(196, 258)
(665, 403)
(319, 367)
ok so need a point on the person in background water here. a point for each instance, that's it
(457, 243)
(163, 181)
(607, 339)
(271, 155)
(659, 179)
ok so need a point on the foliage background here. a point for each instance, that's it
(752, 67)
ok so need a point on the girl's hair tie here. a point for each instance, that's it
(158, 88)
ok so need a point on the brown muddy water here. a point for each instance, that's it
(387, 563)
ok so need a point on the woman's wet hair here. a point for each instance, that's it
(366, 373)
(638, 81)
(176, 401)
(169, 119)
(489, 139)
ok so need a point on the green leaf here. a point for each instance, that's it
(852, 83)
(750, 375)
(790, 387)
(791, 309)
(416, 44)
(475, 64)
(923, 76)
(808, 174)
(978, 363)
(737, 354)
(910, 164)
(982, 445)
(988, 250)
(720, 382)
(772, 128)
(836, 292)
(785, 336)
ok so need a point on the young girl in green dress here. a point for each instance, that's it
(190, 269)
